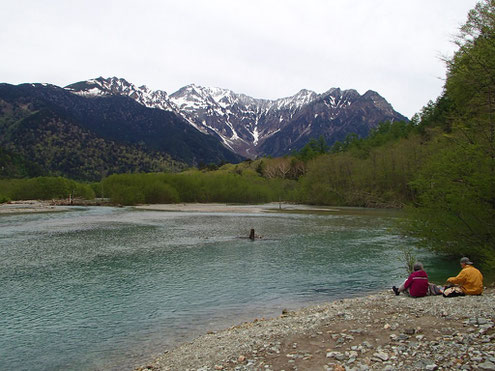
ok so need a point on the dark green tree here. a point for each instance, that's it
(456, 189)
(312, 149)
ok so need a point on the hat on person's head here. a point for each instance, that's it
(466, 260)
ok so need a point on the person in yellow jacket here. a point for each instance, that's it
(469, 278)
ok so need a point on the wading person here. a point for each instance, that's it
(469, 279)
(416, 284)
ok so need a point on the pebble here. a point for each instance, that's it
(366, 344)
(336, 355)
(460, 335)
(431, 367)
(487, 365)
(382, 356)
(410, 331)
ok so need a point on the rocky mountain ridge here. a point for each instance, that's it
(252, 127)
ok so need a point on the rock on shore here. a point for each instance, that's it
(378, 332)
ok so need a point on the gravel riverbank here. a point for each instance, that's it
(378, 332)
(30, 206)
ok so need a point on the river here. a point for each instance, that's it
(108, 288)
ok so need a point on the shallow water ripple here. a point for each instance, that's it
(106, 288)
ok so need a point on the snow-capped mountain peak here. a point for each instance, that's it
(251, 126)
(305, 96)
(118, 86)
(297, 100)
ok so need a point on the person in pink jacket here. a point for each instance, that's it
(416, 284)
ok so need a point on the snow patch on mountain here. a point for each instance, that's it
(241, 122)
(117, 86)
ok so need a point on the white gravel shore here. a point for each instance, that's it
(378, 332)
(233, 208)
(29, 206)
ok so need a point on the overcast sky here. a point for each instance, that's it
(263, 48)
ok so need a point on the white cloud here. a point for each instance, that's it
(266, 49)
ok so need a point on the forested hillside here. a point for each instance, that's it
(89, 138)
(56, 145)
(13, 165)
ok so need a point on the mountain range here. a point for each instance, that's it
(96, 127)
(254, 127)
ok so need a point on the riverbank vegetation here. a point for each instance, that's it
(368, 172)
(440, 166)
(224, 185)
(454, 210)
(43, 188)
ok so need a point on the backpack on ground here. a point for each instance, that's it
(451, 292)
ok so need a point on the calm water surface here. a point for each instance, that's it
(109, 288)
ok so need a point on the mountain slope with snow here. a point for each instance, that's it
(252, 127)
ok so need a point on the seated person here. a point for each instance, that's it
(416, 284)
(469, 279)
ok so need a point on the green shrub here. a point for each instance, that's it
(127, 195)
(160, 193)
